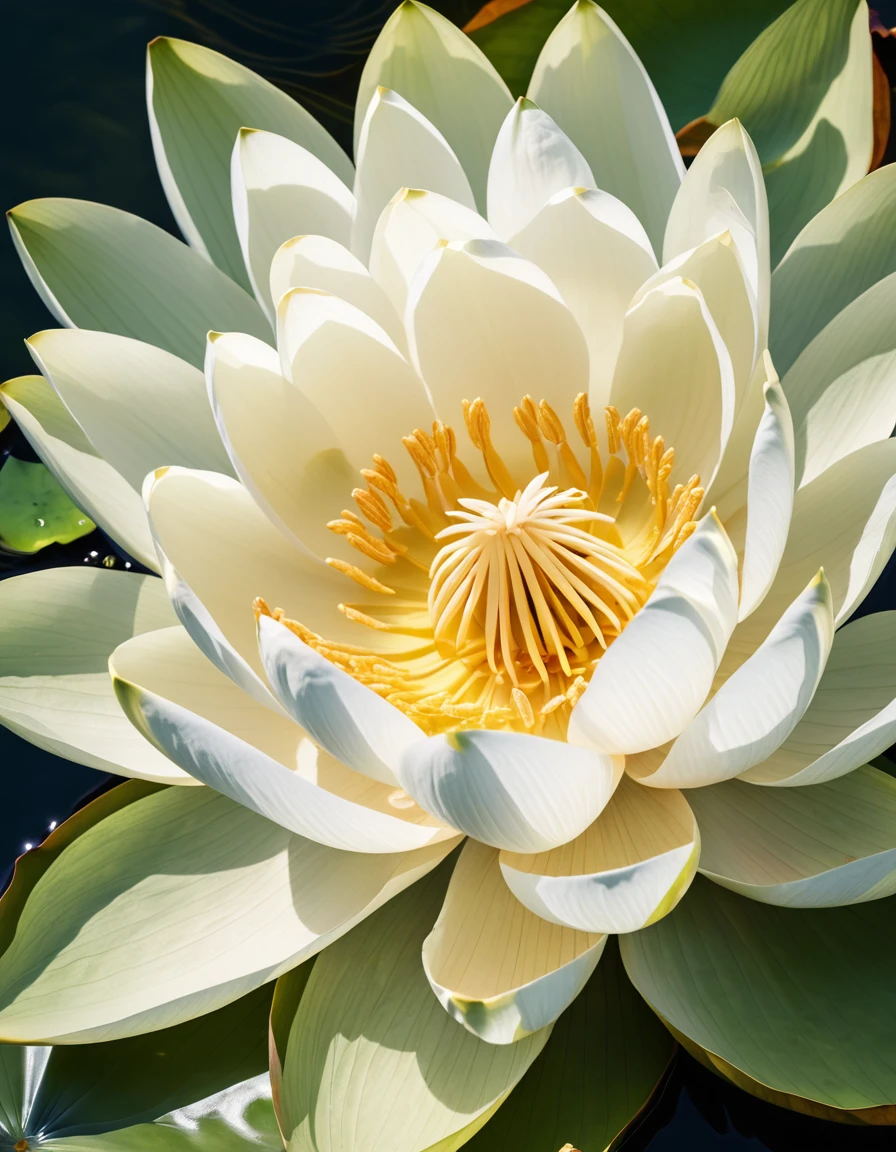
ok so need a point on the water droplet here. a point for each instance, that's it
(52, 825)
(28, 847)
(39, 522)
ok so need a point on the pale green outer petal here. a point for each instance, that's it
(139, 406)
(532, 161)
(852, 717)
(167, 688)
(174, 906)
(281, 448)
(197, 102)
(281, 190)
(653, 679)
(802, 1001)
(327, 346)
(590, 80)
(723, 191)
(409, 227)
(597, 253)
(842, 387)
(373, 1061)
(841, 253)
(716, 268)
(343, 715)
(99, 268)
(57, 628)
(319, 262)
(770, 493)
(497, 968)
(439, 70)
(90, 481)
(484, 322)
(509, 789)
(629, 868)
(399, 147)
(760, 704)
(674, 367)
(815, 847)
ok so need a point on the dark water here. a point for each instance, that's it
(75, 125)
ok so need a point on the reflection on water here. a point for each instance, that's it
(76, 126)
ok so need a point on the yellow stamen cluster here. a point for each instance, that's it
(499, 596)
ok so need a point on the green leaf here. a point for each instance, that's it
(34, 510)
(686, 47)
(802, 1001)
(604, 1059)
(99, 268)
(198, 101)
(373, 1060)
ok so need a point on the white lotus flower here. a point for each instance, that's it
(539, 550)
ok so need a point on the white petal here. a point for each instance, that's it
(141, 407)
(816, 847)
(590, 80)
(203, 722)
(654, 677)
(627, 870)
(432, 64)
(508, 789)
(674, 367)
(531, 162)
(852, 717)
(319, 262)
(842, 388)
(597, 253)
(57, 628)
(400, 148)
(758, 707)
(769, 500)
(354, 724)
(484, 322)
(280, 446)
(327, 348)
(724, 191)
(281, 190)
(90, 482)
(410, 226)
(498, 969)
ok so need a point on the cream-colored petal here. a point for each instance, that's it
(532, 161)
(770, 495)
(141, 407)
(400, 148)
(497, 968)
(355, 725)
(852, 717)
(57, 628)
(758, 707)
(818, 847)
(444, 74)
(281, 448)
(508, 789)
(653, 679)
(410, 226)
(724, 191)
(674, 367)
(842, 387)
(625, 871)
(90, 481)
(281, 190)
(590, 80)
(212, 729)
(319, 262)
(484, 322)
(597, 253)
(355, 377)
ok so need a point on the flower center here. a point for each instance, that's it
(493, 597)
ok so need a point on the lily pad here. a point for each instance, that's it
(34, 510)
